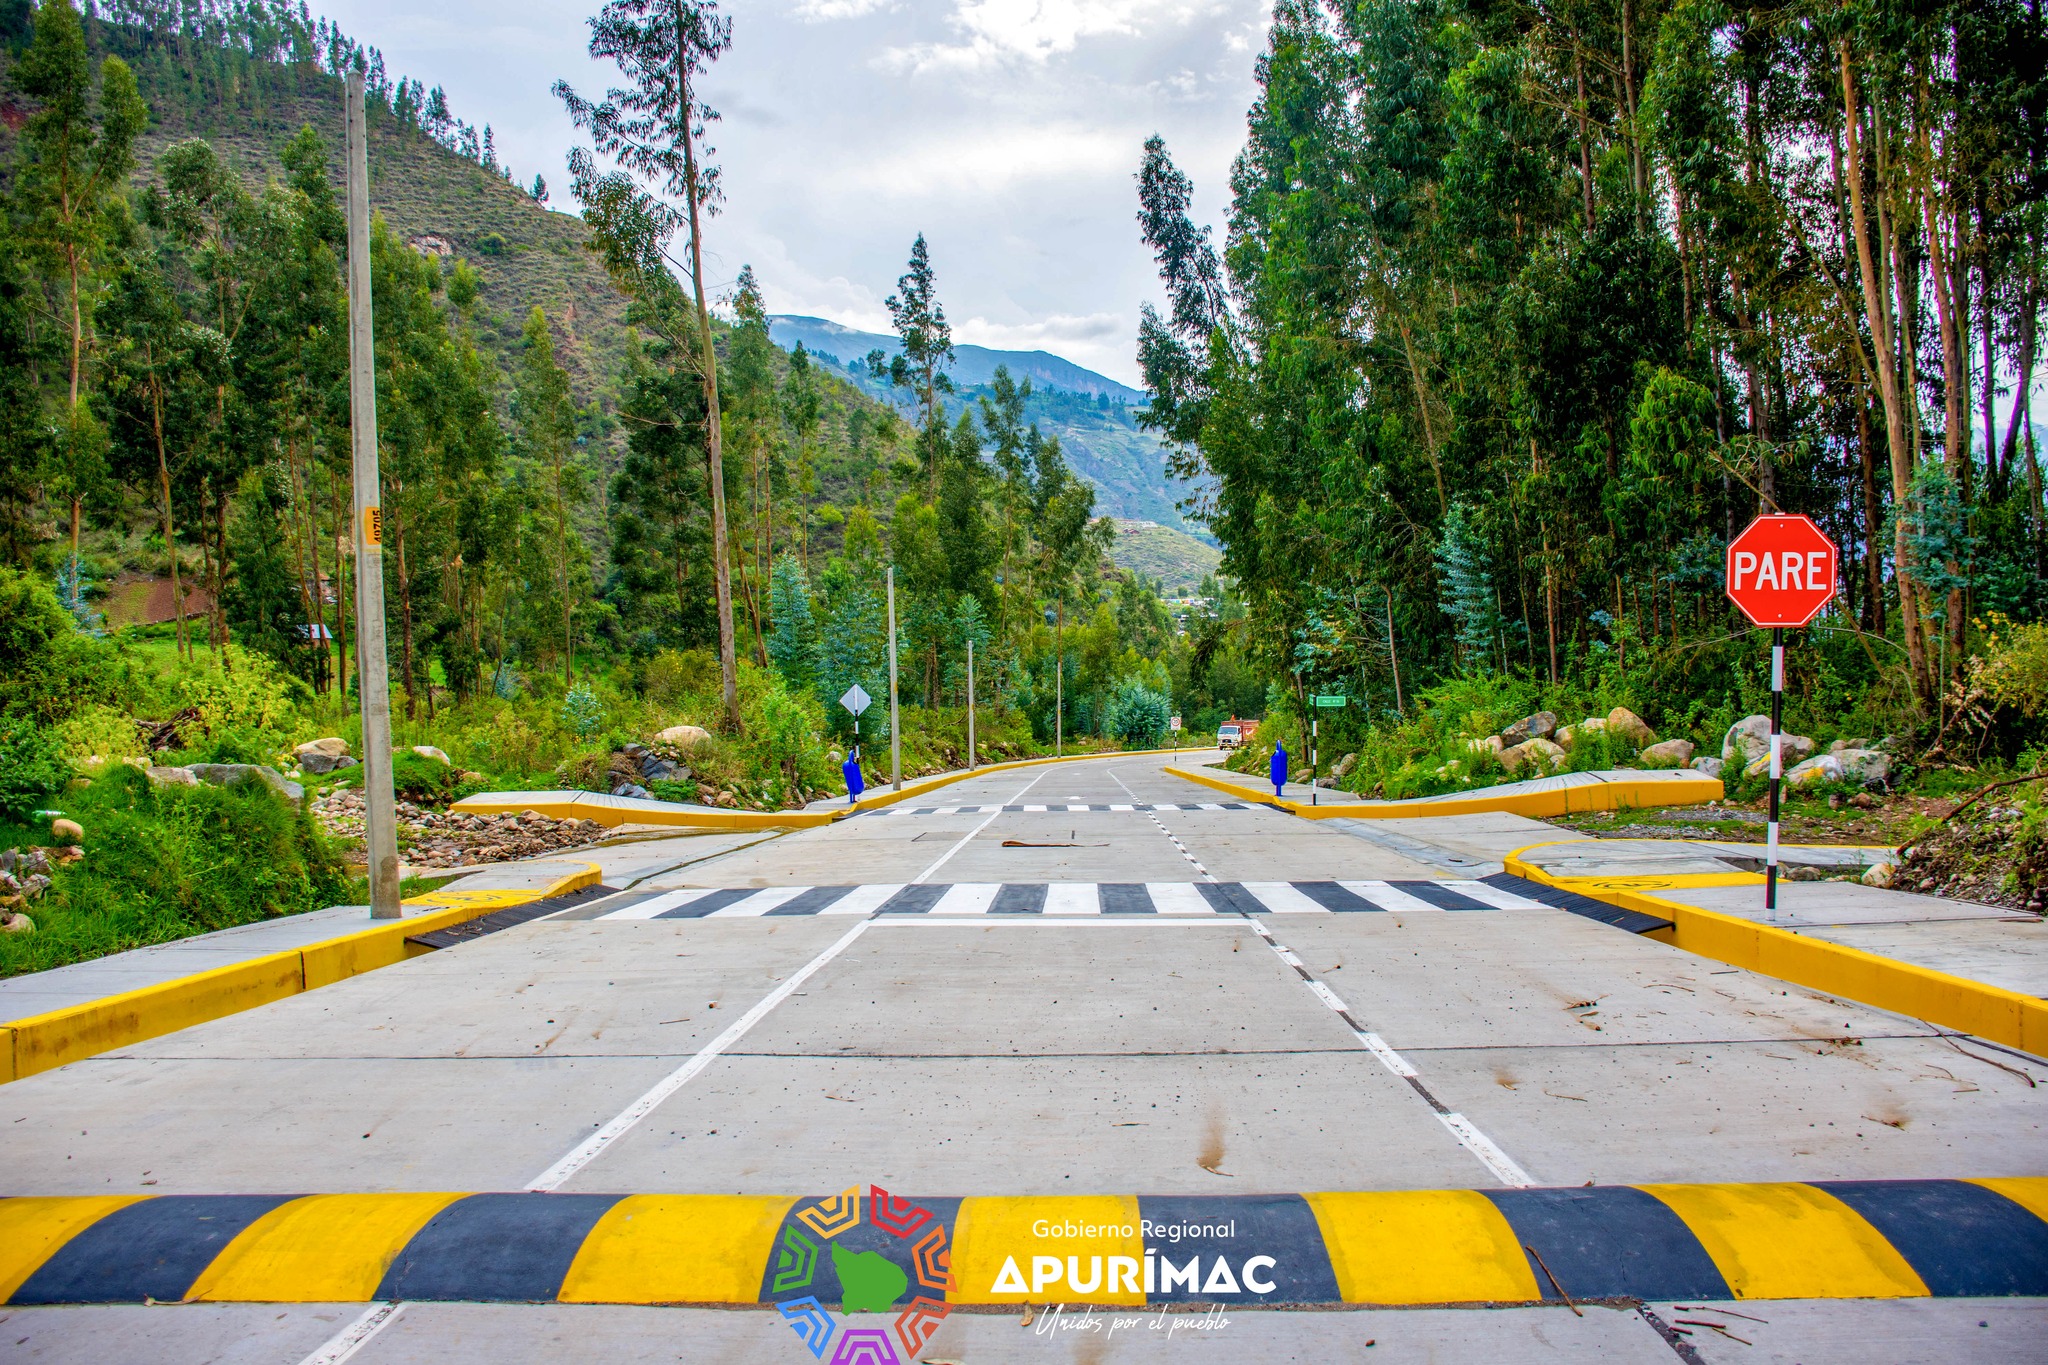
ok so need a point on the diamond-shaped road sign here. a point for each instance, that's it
(1781, 571)
(856, 700)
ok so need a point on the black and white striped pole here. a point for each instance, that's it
(1781, 572)
(1777, 767)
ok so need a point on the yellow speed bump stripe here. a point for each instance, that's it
(1689, 1243)
(324, 1248)
(31, 1229)
(1540, 804)
(1907, 988)
(1422, 1246)
(1791, 1242)
(677, 1248)
(1049, 1249)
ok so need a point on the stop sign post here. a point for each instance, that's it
(1781, 572)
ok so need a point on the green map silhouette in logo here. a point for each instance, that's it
(868, 1281)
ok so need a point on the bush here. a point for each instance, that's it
(47, 669)
(1138, 716)
(31, 767)
(166, 862)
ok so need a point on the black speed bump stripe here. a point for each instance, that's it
(1858, 1239)
(151, 1250)
(1962, 1239)
(1635, 921)
(496, 1247)
(1607, 1242)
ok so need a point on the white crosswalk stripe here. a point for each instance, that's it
(1388, 897)
(1067, 898)
(759, 904)
(1282, 899)
(967, 898)
(1072, 898)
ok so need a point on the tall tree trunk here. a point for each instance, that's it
(714, 439)
(1877, 318)
(1873, 557)
(1585, 137)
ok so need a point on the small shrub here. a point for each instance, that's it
(582, 712)
(31, 766)
(491, 244)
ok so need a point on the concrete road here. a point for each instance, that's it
(1120, 1035)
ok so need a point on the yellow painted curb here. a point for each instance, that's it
(1536, 805)
(567, 805)
(1956, 1002)
(43, 1042)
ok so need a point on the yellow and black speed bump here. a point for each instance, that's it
(1826, 1239)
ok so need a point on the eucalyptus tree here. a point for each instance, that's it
(920, 321)
(655, 130)
(75, 151)
(546, 413)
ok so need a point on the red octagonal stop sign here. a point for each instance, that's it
(1781, 571)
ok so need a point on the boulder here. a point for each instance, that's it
(1344, 766)
(1747, 740)
(1631, 727)
(1839, 745)
(429, 751)
(18, 924)
(632, 789)
(1542, 725)
(67, 831)
(1492, 744)
(318, 762)
(1879, 874)
(1710, 766)
(1812, 772)
(1871, 767)
(229, 774)
(1796, 749)
(656, 769)
(1573, 733)
(1672, 753)
(330, 747)
(33, 863)
(683, 736)
(1540, 755)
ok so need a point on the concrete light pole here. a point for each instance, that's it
(373, 685)
(895, 731)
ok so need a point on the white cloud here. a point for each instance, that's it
(824, 11)
(1028, 336)
(993, 31)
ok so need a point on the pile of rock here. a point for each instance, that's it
(25, 874)
(1988, 855)
(455, 839)
(1748, 745)
(1536, 743)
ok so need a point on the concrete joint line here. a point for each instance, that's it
(1498, 1162)
(587, 1151)
(966, 838)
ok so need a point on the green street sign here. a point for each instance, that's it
(1328, 702)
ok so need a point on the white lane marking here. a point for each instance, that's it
(758, 904)
(862, 900)
(950, 810)
(1389, 897)
(967, 898)
(1394, 1061)
(1072, 898)
(1123, 808)
(1034, 810)
(1328, 997)
(947, 856)
(668, 900)
(587, 1151)
(1282, 899)
(1493, 1158)
(1494, 896)
(1073, 808)
(356, 1335)
(1178, 898)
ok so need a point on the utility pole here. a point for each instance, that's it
(1059, 681)
(895, 730)
(373, 685)
(970, 706)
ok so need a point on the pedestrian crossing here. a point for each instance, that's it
(1057, 809)
(1069, 898)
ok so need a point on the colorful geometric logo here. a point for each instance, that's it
(824, 1233)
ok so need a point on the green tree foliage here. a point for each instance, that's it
(1527, 311)
(794, 645)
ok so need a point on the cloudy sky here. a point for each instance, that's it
(1007, 131)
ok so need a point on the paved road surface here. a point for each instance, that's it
(1121, 1034)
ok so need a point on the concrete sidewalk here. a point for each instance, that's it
(1982, 943)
